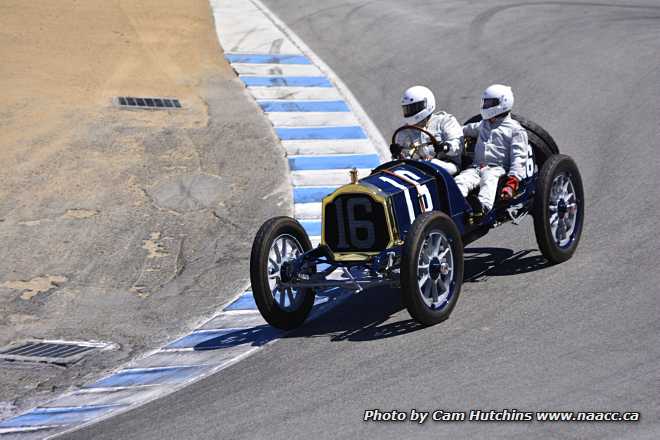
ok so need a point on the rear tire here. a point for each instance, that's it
(558, 208)
(278, 240)
(431, 268)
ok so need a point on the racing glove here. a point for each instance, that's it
(395, 149)
(510, 188)
(441, 148)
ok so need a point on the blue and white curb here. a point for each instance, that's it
(321, 126)
(230, 336)
(324, 132)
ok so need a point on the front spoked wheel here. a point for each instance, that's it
(284, 250)
(278, 242)
(435, 270)
(432, 268)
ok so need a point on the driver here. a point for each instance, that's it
(501, 149)
(418, 104)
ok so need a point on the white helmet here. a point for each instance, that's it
(496, 99)
(418, 103)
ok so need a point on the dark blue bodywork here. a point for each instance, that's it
(410, 188)
(445, 195)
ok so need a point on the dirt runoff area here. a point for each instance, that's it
(125, 226)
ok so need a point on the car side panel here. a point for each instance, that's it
(404, 181)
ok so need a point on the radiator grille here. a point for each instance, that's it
(355, 223)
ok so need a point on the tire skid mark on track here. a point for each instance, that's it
(321, 152)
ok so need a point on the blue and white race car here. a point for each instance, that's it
(405, 225)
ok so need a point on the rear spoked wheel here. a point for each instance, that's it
(558, 208)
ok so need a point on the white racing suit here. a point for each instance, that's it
(501, 148)
(445, 128)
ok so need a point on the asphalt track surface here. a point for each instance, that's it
(583, 335)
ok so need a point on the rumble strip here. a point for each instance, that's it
(321, 126)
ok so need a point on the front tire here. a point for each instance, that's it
(431, 268)
(558, 208)
(279, 240)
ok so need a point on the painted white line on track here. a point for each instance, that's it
(322, 147)
(312, 119)
(152, 369)
(27, 429)
(241, 312)
(213, 330)
(114, 389)
(100, 397)
(320, 93)
(175, 350)
(307, 210)
(324, 177)
(105, 390)
(276, 69)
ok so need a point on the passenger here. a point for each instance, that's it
(501, 149)
(418, 104)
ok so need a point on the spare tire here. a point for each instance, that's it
(542, 143)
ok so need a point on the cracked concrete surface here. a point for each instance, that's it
(191, 192)
(121, 225)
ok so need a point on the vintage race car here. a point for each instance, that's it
(405, 225)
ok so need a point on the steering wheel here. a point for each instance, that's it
(411, 145)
